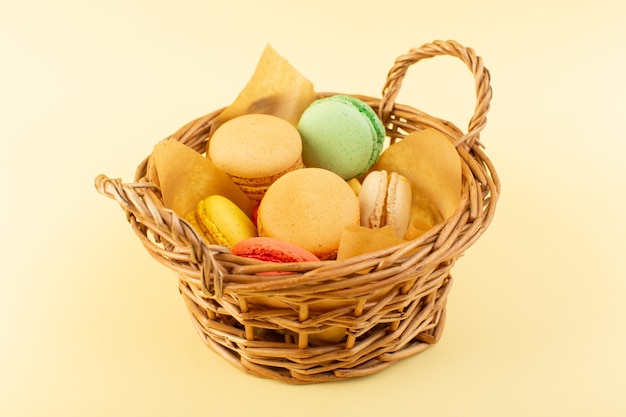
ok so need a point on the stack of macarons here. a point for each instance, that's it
(305, 180)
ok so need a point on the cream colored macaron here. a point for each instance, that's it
(255, 150)
(385, 199)
(309, 207)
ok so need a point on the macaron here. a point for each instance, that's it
(255, 150)
(309, 208)
(221, 222)
(342, 134)
(272, 250)
(385, 199)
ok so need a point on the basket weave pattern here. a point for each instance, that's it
(391, 303)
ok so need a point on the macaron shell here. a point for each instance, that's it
(385, 199)
(255, 146)
(193, 221)
(223, 222)
(272, 250)
(378, 129)
(309, 207)
(210, 232)
(341, 134)
(372, 199)
(398, 203)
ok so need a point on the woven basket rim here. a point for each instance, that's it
(432, 240)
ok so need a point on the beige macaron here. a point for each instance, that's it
(385, 199)
(309, 207)
(255, 150)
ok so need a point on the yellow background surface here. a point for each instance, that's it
(92, 326)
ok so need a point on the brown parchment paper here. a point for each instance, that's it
(433, 167)
(186, 177)
(275, 88)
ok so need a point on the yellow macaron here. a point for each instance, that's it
(221, 222)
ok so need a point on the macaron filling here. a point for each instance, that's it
(385, 200)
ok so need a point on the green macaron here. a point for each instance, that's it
(341, 134)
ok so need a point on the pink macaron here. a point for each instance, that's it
(272, 250)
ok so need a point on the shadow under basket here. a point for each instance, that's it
(330, 320)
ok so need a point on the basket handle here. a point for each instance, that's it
(429, 50)
(158, 226)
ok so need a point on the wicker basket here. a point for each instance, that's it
(381, 328)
